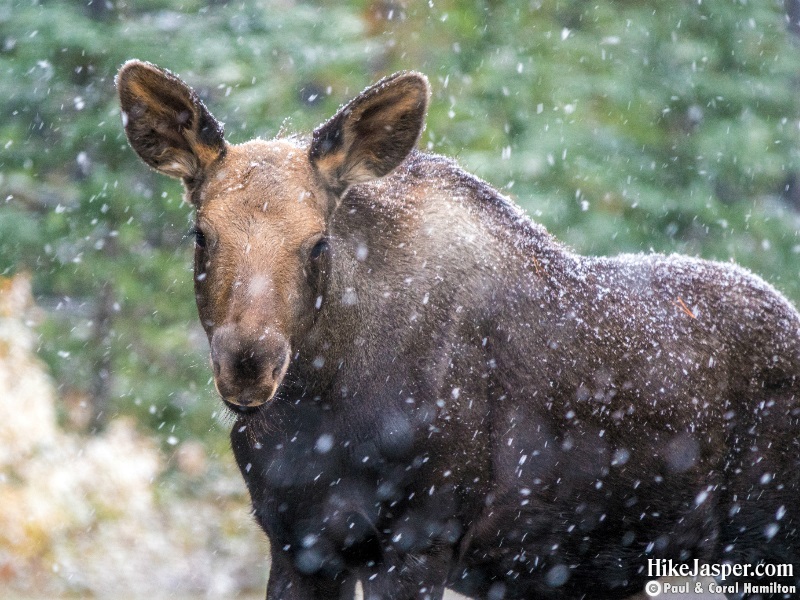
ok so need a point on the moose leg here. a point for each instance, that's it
(408, 576)
(287, 583)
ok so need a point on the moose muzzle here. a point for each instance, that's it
(248, 368)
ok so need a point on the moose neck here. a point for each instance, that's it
(410, 259)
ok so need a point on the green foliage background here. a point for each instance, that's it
(622, 125)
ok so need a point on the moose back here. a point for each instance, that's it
(430, 391)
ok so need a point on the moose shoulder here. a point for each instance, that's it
(432, 392)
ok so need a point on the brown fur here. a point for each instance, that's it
(434, 392)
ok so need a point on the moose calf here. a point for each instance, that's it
(430, 391)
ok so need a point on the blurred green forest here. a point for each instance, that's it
(622, 126)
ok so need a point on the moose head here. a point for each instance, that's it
(263, 210)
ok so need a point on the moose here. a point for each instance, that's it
(430, 391)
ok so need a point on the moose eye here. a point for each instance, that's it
(199, 237)
(319, 249)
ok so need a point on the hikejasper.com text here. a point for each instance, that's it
(666, 567)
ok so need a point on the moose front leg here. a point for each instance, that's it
(413, 576)
(287, 583)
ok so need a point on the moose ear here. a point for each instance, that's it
(166, 123)
(372, 134)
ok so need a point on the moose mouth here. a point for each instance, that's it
(241, 409)
(249, 399)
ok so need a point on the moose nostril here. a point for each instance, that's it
(249, 367)
(276, 373)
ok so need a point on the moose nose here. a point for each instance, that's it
(248, 369)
